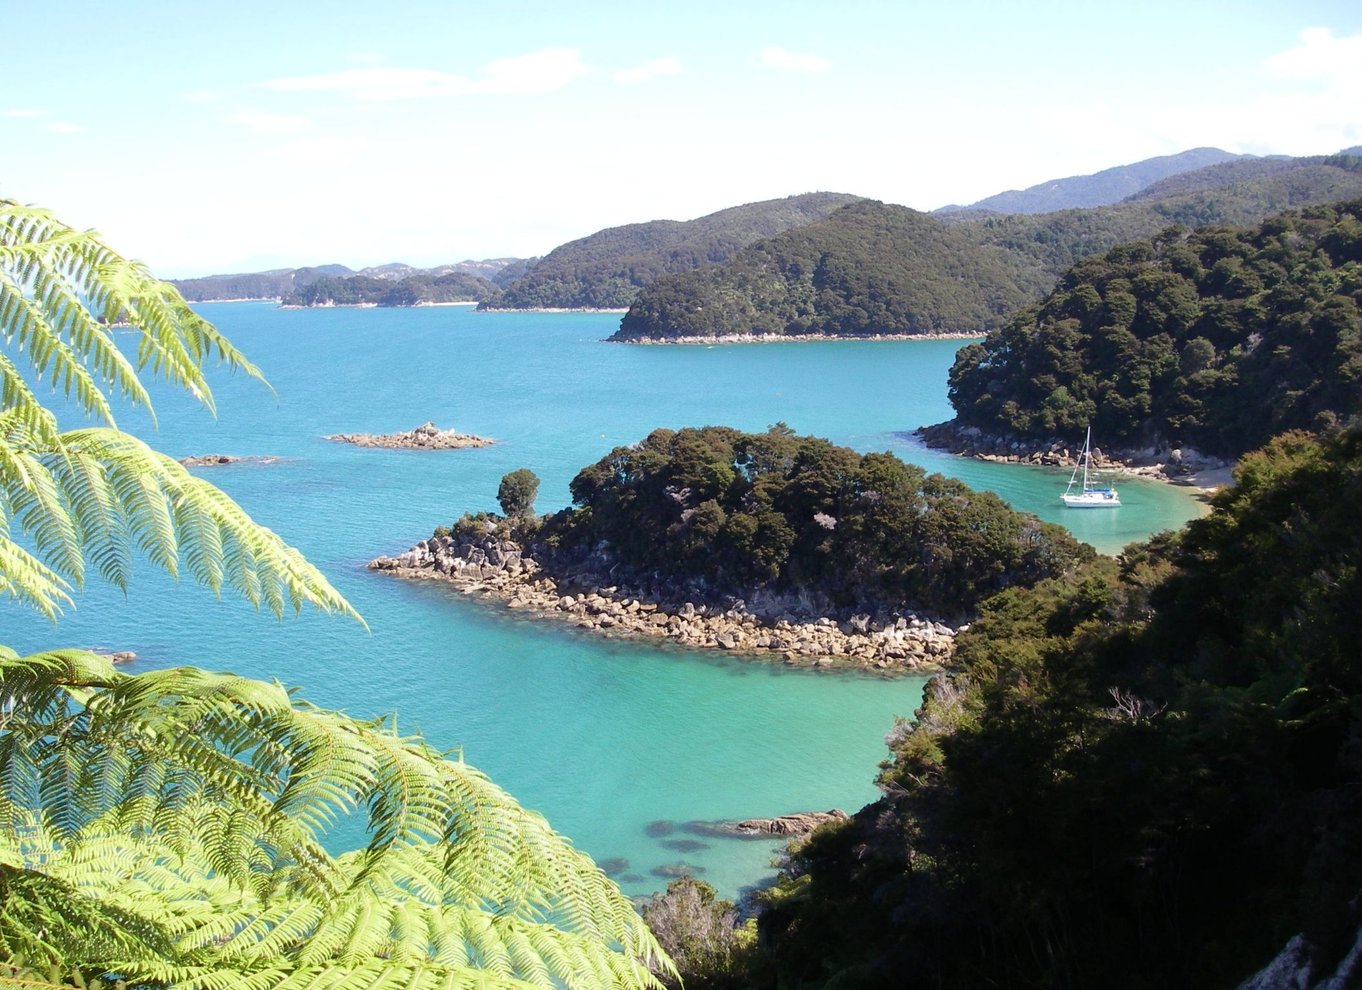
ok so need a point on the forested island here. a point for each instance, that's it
(1218, 339)
(415, 290)
(773, 526)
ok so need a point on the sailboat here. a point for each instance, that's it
(1091, 495)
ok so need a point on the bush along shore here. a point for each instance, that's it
(492, 565)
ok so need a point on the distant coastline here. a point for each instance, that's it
(777, 338)
(549, 309)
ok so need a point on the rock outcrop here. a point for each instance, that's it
(495, 568)
(427, 436)
(213, 460)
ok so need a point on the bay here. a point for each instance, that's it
(619, 744)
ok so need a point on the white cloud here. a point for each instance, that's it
(779, 58)
(63, 127)
(668, 65)
(1321, 56)
(23, 114)
(267, 123)
(537, 72)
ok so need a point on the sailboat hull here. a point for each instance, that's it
(1095, 498)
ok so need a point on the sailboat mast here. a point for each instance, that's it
(1087, 456)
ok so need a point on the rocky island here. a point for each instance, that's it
(427, 436)
(766, 544)
(217, 460)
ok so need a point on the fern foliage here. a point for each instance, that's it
(80, 319)
(168, 827)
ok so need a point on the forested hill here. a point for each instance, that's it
(281, 282)
(606, 269)
(876, 269)
(1218, 339)
(869, 268)
(255, 285)
(1111, 185)
(1143, 774)
(413, 290)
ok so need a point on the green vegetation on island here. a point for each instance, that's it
(723, 512)
(1218, 339)
(606, 269)
(1143, 773)
(872, 269)
(414, 290)
(174, 828)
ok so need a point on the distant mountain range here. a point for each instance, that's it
(1010, 247)
(873, 268)
(1102, 188)
(280, 283)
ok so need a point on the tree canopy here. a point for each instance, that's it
(733, 512)
(169, 828)
(1142, 773)
(1220, 339)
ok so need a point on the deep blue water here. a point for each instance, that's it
(611, 740)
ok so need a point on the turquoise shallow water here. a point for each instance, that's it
(619, 744)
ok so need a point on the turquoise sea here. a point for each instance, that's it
(619, 744)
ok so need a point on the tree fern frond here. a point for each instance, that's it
(226, 845)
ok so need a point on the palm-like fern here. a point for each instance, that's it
(100, 495)
(166, 828)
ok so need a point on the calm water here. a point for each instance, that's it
(619, 744)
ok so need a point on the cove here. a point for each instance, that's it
(619, 744)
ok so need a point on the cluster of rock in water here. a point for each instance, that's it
(427, 436)
(500, 569)
(797, 826)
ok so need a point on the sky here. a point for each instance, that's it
(206, 138)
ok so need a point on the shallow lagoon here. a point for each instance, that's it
(619, 744)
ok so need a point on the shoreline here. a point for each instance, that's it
(550, 309)
(778, 338)
(496, 571)
(1189, 469)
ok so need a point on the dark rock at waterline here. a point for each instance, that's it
(785, 826)
(657, 829)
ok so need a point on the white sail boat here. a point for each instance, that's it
(1091, 495)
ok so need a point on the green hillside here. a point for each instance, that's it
(878, 269)
(1143, 774)
(1219, 339)
(606, 269)
(414, 290)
